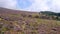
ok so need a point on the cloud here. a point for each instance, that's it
(55, 6)
(37, 5)
(8, 4)
(50, 5)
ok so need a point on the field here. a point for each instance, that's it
(23, 22)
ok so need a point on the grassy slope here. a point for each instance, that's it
(16, 23)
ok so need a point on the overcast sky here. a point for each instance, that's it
(32, 5)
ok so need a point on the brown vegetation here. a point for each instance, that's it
(15, 22)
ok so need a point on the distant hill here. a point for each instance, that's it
(50, 13)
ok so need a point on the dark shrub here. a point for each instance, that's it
(0, 26)
(9, 27)
(1, 32)
(36, 16)
(29, 15)
(23, 15)
(43, 17)
(54, 29)
(6, 19)
(0, 16)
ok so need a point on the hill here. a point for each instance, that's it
(23, 22)
(50, 13)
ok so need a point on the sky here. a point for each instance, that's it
(32, 5)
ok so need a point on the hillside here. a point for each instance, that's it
(23, 22)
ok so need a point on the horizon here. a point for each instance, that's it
(32, 5)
